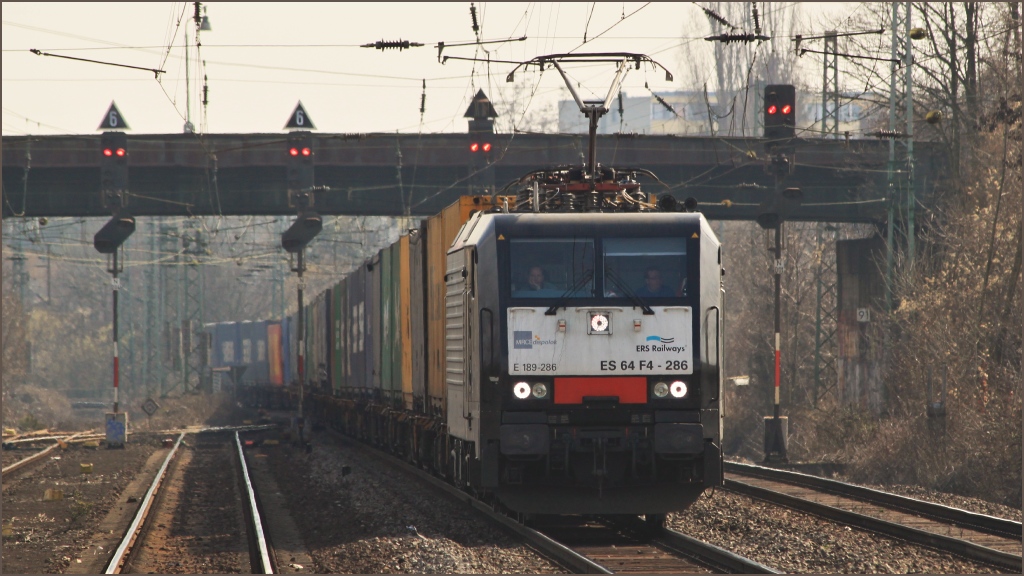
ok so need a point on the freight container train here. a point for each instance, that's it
(556, 350)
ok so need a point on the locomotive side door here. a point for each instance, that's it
(460, 346)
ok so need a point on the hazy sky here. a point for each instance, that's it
(261, 59)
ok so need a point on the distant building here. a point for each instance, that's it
(693, 115)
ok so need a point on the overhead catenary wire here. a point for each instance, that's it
(155, 71)
(537, 91)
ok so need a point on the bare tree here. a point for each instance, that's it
(15, 344)
(740, 68)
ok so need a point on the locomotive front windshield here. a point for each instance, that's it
(552, 267)
(646, 267)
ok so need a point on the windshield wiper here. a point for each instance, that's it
(611, 275)
(572, 290)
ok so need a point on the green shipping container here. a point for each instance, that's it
(391, 339)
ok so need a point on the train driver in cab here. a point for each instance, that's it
(535, 285)
(535, 280)
(653, 288)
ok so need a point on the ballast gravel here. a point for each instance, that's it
(797, 542)
(376, 520)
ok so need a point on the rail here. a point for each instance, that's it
(948, 544)
(981, 522)
(255, 522)
(114, 567)
(570, 559)
(728, 561)
(560, 553)
(26, 461)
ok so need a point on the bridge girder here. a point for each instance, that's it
(245, 174)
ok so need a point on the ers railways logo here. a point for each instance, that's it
(526, 340)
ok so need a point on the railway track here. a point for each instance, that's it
(626, 545)
(978, 537)
(189, 519)
(599, 545)
(39, 454)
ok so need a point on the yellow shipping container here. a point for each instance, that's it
(442, 229)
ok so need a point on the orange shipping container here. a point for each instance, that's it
(442, 229)
(276, 363)
(404, 320)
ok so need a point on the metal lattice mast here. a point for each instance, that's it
(154, 309)
(169, 308)
(19, 277)
(830, 87)
(901, 133)
(277, 304)
(826, 374)
(193, 247)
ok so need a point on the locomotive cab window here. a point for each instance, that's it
(549, 267)
(646, 267)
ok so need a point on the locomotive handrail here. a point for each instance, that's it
(718, 344)
(488, 365)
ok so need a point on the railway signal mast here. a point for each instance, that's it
(114, 195)
(300, 165)
(779, 132)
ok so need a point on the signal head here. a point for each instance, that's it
(108, 152)
(779, 113)
(119, 152)
(113, 234)
(307, 152)
(293, 151)
(301, 232)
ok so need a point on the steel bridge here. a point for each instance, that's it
(417, 175)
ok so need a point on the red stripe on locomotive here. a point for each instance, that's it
(629, 390)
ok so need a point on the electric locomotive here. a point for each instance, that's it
(563, 354)
(584, 368)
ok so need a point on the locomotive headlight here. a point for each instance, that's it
(678, 389)
(540, 390)
(599, 323)
(661, 389)
(521, 390)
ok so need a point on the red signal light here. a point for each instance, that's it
(108, 152)
(293, 151)
(487, 146)
(786, 109)
(120, 152)
(773, 109)
(474, 147)
(306, 151)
